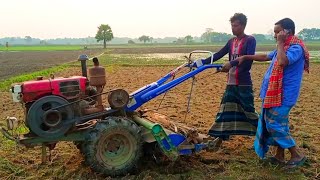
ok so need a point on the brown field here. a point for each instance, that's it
(16, 63)
(235, 160)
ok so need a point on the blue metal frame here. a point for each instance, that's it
(146, 93)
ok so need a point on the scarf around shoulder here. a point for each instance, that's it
(274, 92)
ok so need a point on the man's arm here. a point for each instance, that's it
(256, 57)
(292, 55)
(281, 55)
(239, 60)
(218, 55)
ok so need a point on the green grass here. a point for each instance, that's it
(139, 60)
(162, 45)
(10, 170)
(42, 48)
(146, 60)
(5, 84)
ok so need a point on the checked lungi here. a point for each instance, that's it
(273, 129)
(237, 114)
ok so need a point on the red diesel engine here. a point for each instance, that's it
(53, 105)
(68, 88)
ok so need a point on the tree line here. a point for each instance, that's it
(105, 35)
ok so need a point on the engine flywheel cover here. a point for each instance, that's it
(46, 122)
(118, 98)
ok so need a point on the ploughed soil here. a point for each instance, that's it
(22, 62)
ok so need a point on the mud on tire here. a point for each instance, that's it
(113, 147)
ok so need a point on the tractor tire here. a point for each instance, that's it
(113, 147)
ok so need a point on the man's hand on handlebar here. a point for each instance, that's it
(197, 63)
(226, 67)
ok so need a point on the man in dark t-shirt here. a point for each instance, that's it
(237, 114)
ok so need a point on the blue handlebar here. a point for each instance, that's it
(154, 89)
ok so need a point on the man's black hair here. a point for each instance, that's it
(240, 17)
(287, 23)
(95, 61)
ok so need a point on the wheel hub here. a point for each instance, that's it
(116, 150)
(114, 145)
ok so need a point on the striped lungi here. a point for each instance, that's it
(237, 114)
(273, 129)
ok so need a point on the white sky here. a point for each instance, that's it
(157, 18)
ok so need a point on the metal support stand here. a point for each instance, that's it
(43, 154)
(189, 98)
